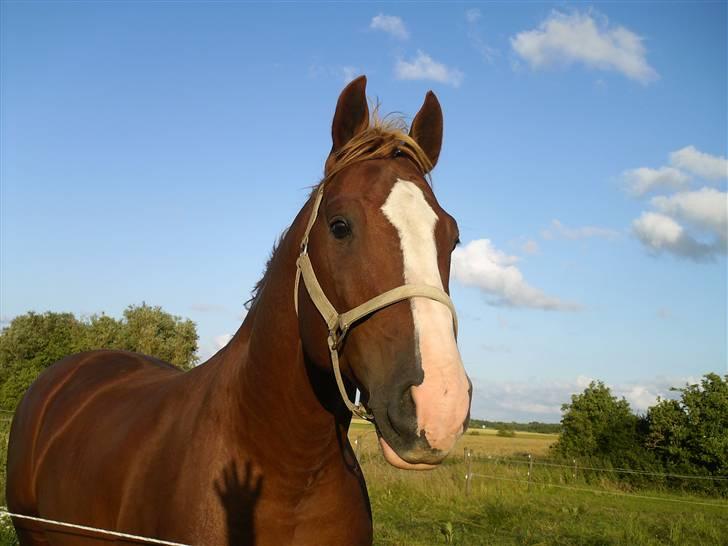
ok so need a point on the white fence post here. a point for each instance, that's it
(530, 470)
(468, 472)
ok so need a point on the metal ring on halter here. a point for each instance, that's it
(338, 324)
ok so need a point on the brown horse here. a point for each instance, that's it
(251, 447)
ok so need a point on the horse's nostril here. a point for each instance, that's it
(401, 413)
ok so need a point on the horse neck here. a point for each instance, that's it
(280, 393)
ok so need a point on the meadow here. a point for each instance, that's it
(591, 508)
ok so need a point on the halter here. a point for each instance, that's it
(337, 323)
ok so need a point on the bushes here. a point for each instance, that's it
(34, 341)
(686, 436)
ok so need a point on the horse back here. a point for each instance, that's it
(55, 425)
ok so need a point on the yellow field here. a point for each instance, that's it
(480, 441)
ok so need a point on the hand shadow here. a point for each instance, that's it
(239, 490)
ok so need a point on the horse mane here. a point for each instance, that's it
(386, 137)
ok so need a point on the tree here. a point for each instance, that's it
(690, 435)
(34, 341)
(150, 330)
(597, 424)
(30, 344)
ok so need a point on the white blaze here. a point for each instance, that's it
(442, 398)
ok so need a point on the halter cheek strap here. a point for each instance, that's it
(338, 324)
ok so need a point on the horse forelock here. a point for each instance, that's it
(381, 140)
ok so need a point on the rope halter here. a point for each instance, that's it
(338, 324)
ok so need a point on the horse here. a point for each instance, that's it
(251, 446)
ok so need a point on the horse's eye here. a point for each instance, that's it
(340, 228)
(397, 153)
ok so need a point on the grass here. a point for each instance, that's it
(431, 508)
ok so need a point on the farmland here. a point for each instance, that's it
(427, 508)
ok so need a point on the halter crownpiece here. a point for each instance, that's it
(338, 324)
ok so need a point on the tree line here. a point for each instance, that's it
(532, 426)
(687, 435)
(34, 341)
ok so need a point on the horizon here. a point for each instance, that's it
(143, 147)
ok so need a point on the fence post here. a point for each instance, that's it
(530, 470)
(574, 468)
(468, 472)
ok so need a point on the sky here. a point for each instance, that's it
(154, 151)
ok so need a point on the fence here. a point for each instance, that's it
(52, 524)
(573, 470)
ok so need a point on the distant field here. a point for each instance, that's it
(479, 440)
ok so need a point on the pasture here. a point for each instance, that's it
(427, 508)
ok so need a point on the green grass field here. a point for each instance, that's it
(430, 508)
(427, 508)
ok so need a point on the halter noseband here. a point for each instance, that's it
(337, 323)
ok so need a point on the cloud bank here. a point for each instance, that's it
(690, 223)
(533, 400)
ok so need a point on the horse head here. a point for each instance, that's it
(375, 226)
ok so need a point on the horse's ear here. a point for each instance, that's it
(352, 113)
(426, 128)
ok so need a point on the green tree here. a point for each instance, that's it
(34, 341)
(31, 343)
(597, 424)
(690, 435)
(150, 330)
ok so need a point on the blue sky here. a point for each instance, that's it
(154, 151)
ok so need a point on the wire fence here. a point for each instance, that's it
(88, 529)
(573, 469)
(597, 491)
(577, 467)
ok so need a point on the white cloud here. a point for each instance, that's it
(699, 163)
(541, 400)
(644, 179)
(660, 233)
(391, 24)
(704, 210)
(707, 208)
(481, 265)
(557, 229)
(563, 39)
(472, 15)
(424, 67)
